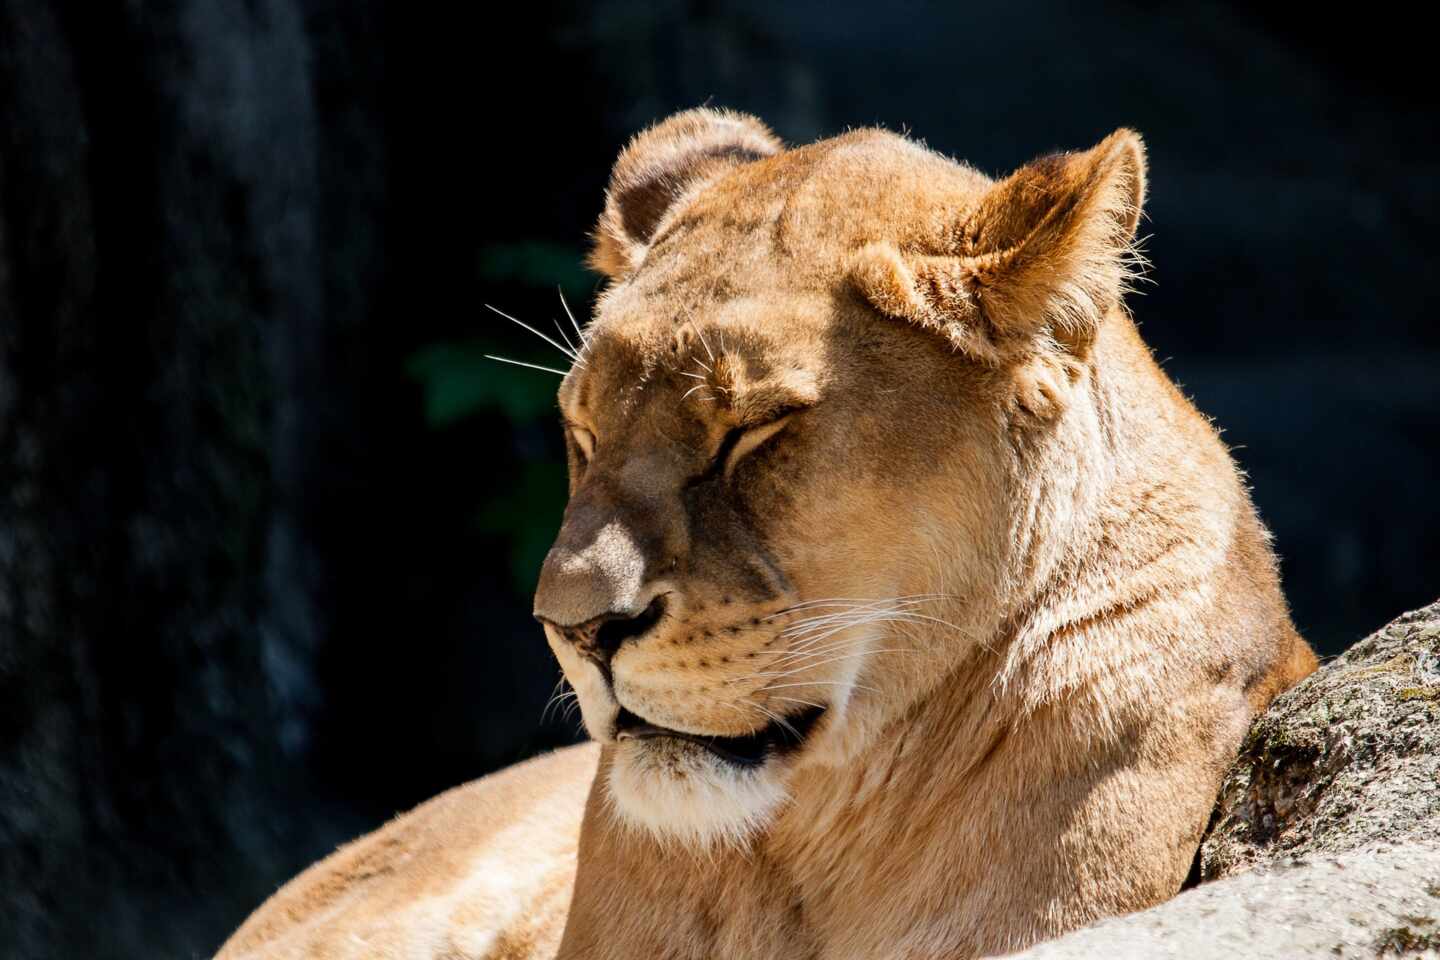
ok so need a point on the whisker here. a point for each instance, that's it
(698, 386)
(815, 634)
(573, 356)
(815, 651)
(776, 718)
(703, 343)
(574, 350)
(821, 637)
(782, 674)
(855, 618)
(578, 332)
(809, 642)
(861, 602)
(840, 622)
(558, 695)
(819, 683)
(854, 613)
(554, 696)
(848, 656)
(532, 366)
(868, 616)
(806, 703)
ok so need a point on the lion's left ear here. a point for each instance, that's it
(659, 167)
(1045, 253)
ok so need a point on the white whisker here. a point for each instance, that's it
(811, 652)
(819, 683)
(776, 718)
(578, 332)
(856, 614)
(861, 602)
(574, 350)
(799, 701)
(778, 675)
(569, 353)
(558, 696)
(696, 326)
(532, 366)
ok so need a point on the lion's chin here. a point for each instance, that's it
(681, 792)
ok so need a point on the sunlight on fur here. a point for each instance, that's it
(677, 793)
(912, 609)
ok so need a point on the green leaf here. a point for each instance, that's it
(528, 514)
(459, 380)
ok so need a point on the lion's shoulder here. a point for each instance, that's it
(483, 870)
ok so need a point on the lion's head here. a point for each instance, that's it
(823, 404)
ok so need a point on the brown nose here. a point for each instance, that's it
(598, 638)
(596, 568)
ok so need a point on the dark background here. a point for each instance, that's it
(268, 525)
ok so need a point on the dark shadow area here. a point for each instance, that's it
(268, 521)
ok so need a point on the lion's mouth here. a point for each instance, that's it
(748, 751)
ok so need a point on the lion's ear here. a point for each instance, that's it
(1045, 252)
(662, 164)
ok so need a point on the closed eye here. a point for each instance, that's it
(739, 443)
(585, 440)
(748, 439)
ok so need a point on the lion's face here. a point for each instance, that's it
(766, 473)
(744, 537)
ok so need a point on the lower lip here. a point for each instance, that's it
(751, 751)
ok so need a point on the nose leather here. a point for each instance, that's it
(582, 583)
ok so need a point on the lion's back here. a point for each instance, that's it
(483, 871)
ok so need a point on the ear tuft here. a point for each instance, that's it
(1125, 152)
(660, 166)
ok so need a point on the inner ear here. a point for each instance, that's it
(659, 167)
(1048, 251)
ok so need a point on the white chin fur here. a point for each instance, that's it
(679, 793)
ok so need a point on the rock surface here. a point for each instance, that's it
(1366, 903)
(1348, 758)
(1326, 836)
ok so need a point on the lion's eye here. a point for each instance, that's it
(585, 440)
(745, 441)
(739, 443)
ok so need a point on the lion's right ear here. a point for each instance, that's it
(1039, 259)
(659, 167)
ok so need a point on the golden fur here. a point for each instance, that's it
(866, 443)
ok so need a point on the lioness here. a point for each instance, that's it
(913, 610)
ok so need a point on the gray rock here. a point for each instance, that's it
(1349, 758)
(1326, 836)
(1380, 902)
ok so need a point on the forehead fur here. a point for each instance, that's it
(751, 359)
(790, 220)
(738, 284)
(1015, 275)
